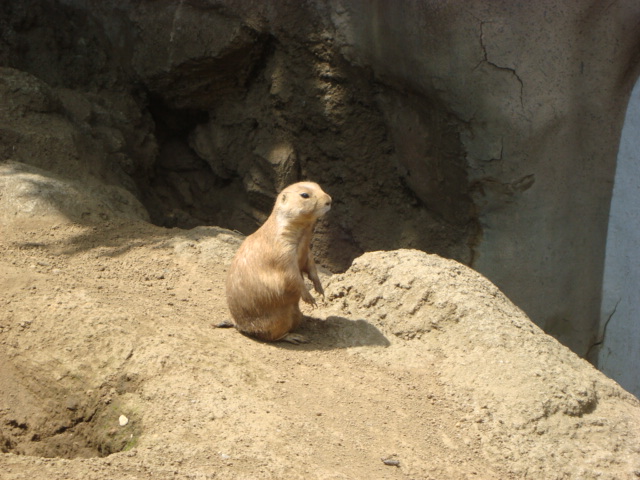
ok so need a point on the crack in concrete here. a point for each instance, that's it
(485, 59)
(603, 336)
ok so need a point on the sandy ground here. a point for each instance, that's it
(118, 321)
(111, 368)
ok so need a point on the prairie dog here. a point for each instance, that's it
(265, 282)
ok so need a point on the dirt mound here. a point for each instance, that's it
(29, 192)
(417, 368)
(527, 398)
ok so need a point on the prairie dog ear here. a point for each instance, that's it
(284, 198)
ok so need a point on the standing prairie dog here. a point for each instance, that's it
(265, 283)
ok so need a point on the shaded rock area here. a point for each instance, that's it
(228, 110)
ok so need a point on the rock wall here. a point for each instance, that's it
(482, 131)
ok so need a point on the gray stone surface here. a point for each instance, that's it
(619, 351)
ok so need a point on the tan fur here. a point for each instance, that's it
(265, 283)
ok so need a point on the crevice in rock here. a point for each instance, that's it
(592, 351)
(181, 189)
(486, 60)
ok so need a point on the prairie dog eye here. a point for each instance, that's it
(304, 195)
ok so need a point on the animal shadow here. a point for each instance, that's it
(337, 332)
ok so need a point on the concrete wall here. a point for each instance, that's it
(619, 355)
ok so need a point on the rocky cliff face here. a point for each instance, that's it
(482, 131)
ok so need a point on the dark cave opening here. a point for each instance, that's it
(181, 189)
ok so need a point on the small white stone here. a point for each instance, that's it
(123, 420)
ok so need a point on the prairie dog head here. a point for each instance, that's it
(305, 201)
